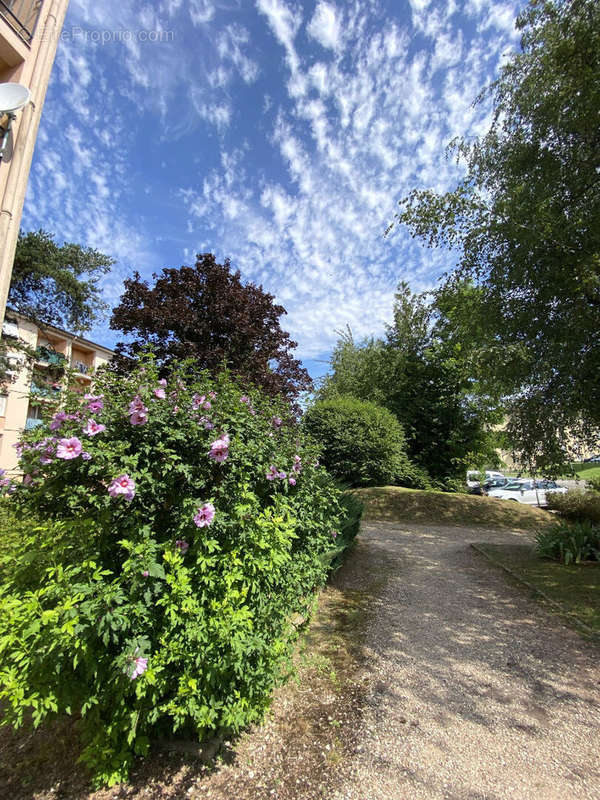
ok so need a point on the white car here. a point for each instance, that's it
(473, 477)
(530, 492)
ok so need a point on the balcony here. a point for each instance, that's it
(49, 357)
(22, 16)
(43, 391)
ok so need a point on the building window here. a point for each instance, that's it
(34, 417)
(3, 399)
(22, 16)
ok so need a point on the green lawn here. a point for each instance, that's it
(575, 588)
(412, 505)
(587, 471)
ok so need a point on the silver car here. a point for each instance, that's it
(528, 491)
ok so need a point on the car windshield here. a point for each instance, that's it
(516, 486)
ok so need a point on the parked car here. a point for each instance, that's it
(473, 476)
(591, 458)
(530, 492)
(492, 483)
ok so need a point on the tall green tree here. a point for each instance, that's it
(419, 374)
(524, 224)
(57, 284)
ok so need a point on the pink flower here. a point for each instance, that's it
(207, 405)
(140, 666)
(27, 480)
(163, 382)
(244, 399)
(209, 425)
(292, 481)
(95, 402)
(212, 395)
(334, 534)
(122, 485)
(219, 449)
(93, 427)
(277, 422)
(86, 456)
(145, 573)
(68, 448)
(139, 417)
(160, 393)
(197, 401)
(297, 464)
(272, 473)
(137, 404)
(182, 545)
(205, 515)
(57, 420)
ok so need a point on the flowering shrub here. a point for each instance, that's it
(195, 525)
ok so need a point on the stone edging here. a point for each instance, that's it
(570, 616)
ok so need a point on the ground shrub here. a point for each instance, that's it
(575, 505)
(361, 443)
(593, 483)
(570, 543)
(186, 524)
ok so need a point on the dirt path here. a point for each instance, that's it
(478, 693)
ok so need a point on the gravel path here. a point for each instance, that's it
(478, 692)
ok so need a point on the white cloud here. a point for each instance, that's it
(284, 22)
(325, 26)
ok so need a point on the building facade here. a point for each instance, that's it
(29, 35)
(39, 384)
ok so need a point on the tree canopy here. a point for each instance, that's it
(420, 375)
(207, 313)
(57, 284)
(524, 223)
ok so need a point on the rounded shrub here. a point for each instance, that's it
(361, 443)
(576, 505)
(189, 524)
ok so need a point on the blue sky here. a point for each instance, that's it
(278, 133)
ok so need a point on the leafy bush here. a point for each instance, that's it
(187, 524)
(594, 483)
(576, 505)
(362, 443)
(570, 542)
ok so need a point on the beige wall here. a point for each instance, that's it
(77, 351)
(29, 63)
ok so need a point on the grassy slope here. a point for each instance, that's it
(394, 503)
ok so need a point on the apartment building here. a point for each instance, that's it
(23, 401)
(29, 34)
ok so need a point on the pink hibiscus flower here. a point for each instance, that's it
(95, 402)
(219, 449)
(205, 515)
(182, 546)
(140, 665)
(68, 448)
(122, 485)
(160, 393)
(92, 428)
(57, 420)
(139, 417)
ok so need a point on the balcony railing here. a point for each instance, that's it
(22, 16)
(81, 366)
